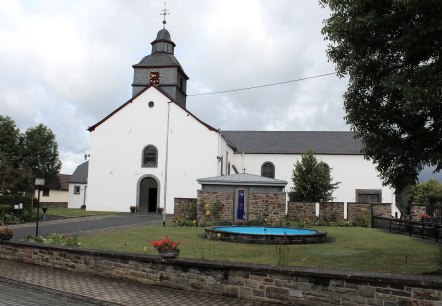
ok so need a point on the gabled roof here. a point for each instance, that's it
(244, 179)
(80, 174)
(92, 128)
(60, 182)
(293, 142)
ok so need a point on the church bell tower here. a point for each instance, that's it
(161, 69)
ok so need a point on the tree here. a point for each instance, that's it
(312, 181)
(391, 51)
(429, 193)
(23, 157)
(40, 152)
(9, 155)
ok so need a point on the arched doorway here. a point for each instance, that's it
(148, 195)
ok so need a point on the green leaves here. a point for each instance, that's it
(312, 180)
(391, 52)
(26, 156)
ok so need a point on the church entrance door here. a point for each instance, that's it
(148, 195)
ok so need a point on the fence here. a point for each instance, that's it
(424, 230)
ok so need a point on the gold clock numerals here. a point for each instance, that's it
(154, 77)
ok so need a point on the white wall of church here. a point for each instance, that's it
(353, 171)
(115, 165)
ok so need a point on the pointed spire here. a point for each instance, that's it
(164, 13)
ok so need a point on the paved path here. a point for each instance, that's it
(84, 289)
(86, 225)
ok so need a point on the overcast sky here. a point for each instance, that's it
(68, 64)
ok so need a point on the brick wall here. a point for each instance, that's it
(332, 211)
(253, 282)
(270, 206)
(416, 210)
(301, 210)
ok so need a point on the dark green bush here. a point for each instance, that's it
(362, 219)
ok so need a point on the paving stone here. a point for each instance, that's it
(105, 291)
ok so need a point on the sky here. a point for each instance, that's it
(68, 64)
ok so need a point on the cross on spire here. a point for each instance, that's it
(164, 13)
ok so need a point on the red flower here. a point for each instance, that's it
(165, 244)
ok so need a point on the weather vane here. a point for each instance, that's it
(164, 13)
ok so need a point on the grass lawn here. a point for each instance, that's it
(355, 248)
(76, 212)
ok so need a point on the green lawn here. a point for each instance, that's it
(354, 248)
(76, 212)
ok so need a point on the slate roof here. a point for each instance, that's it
(60, 182)
(244, 179)
(293, 142)
(80, 174)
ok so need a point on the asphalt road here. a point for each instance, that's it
(86, 225)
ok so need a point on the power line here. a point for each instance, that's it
(260, 86)
(74, 153)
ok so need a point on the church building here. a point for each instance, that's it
(152, 149)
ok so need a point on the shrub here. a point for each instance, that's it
(5, 209)
(58, 239)
(362, 219)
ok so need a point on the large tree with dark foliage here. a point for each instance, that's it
(391, 52)
(23, 157)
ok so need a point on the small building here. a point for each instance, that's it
(78, 186)
(55, 192)
(245, 196)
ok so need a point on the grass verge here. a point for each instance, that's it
(356, 248)
(76, 212)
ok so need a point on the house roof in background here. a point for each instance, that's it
(293, 142)
(80, 174)
(61, 182)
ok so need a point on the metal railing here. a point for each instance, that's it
(424, 230)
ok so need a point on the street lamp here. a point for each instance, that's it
(38, 182)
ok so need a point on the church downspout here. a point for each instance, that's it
(167, 160)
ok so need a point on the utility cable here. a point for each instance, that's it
(260, 86)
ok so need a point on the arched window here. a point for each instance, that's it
(150, 157)
(268, 170)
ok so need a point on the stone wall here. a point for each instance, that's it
(416, 210)
(301, 210)
(182, 206)
(210, 197)
(381, 210)
(253, 282)
(270, 206)
(373, 209)
(331, 211)
(53, 205)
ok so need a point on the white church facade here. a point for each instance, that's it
(152, 149)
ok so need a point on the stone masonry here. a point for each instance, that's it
(301, 210)
(417, 210)
(210, 197)
(270, 206)
(285, 285)
(332, 211)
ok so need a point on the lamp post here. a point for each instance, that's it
(38, 182)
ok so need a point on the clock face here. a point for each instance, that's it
(154, 77)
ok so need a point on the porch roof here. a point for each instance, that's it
(243, 179)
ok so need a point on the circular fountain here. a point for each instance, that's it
(266, 235)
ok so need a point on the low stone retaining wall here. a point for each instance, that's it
(286, 285)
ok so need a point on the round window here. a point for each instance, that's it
(151, 104)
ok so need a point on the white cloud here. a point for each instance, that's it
(68, 64)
